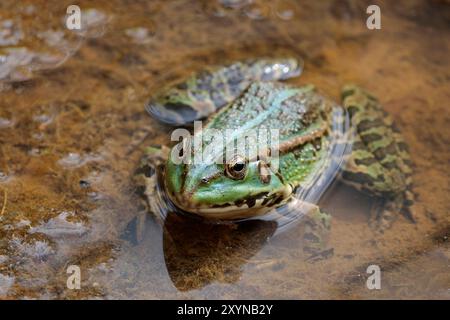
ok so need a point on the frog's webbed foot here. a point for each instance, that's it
(384, 212)
(313, 226)
(316, 232)
(211, 89)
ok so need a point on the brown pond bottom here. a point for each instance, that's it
(73, 128)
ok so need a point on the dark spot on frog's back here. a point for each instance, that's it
(358, 145)
(403, 146)
(352, 110)
(172, 113)
(204, 81)
(391, 149)
(218, 98)
(369, 124)
(366, 161)
(390, 165)
(234, 76)
(358, 177)
(371, 137)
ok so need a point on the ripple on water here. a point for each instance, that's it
(18, 64)
(27, 47)
(94, 23)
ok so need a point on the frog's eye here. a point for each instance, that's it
(237, 168)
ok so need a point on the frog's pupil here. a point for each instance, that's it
(238, 167)
(181, 153)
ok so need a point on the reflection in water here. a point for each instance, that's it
(195, 253)
(198, 253)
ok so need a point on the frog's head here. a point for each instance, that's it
(237, 189)
(277, 69)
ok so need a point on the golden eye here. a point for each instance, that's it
(237, 168)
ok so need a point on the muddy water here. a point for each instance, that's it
(73, 127)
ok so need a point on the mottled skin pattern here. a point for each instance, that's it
(206, 92)
(378, 163)
(303, 119)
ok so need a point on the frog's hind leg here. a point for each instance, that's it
(214, 87)
(379, 163)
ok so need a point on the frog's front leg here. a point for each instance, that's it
(379, 163)
(316, 234)
(314, 229)
(147, 187)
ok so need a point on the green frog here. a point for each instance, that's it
(248, 95)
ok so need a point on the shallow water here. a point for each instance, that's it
(73, 127)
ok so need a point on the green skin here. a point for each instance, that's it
(378, 164)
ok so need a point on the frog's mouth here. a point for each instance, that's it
(242, 209)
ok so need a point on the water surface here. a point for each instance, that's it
(73, 127)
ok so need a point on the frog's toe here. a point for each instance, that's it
(383, 213)
(321, 255)
(382, 217)
(408, 209)
(315, 236)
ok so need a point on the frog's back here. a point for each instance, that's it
(271, 105)
(306, 123)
